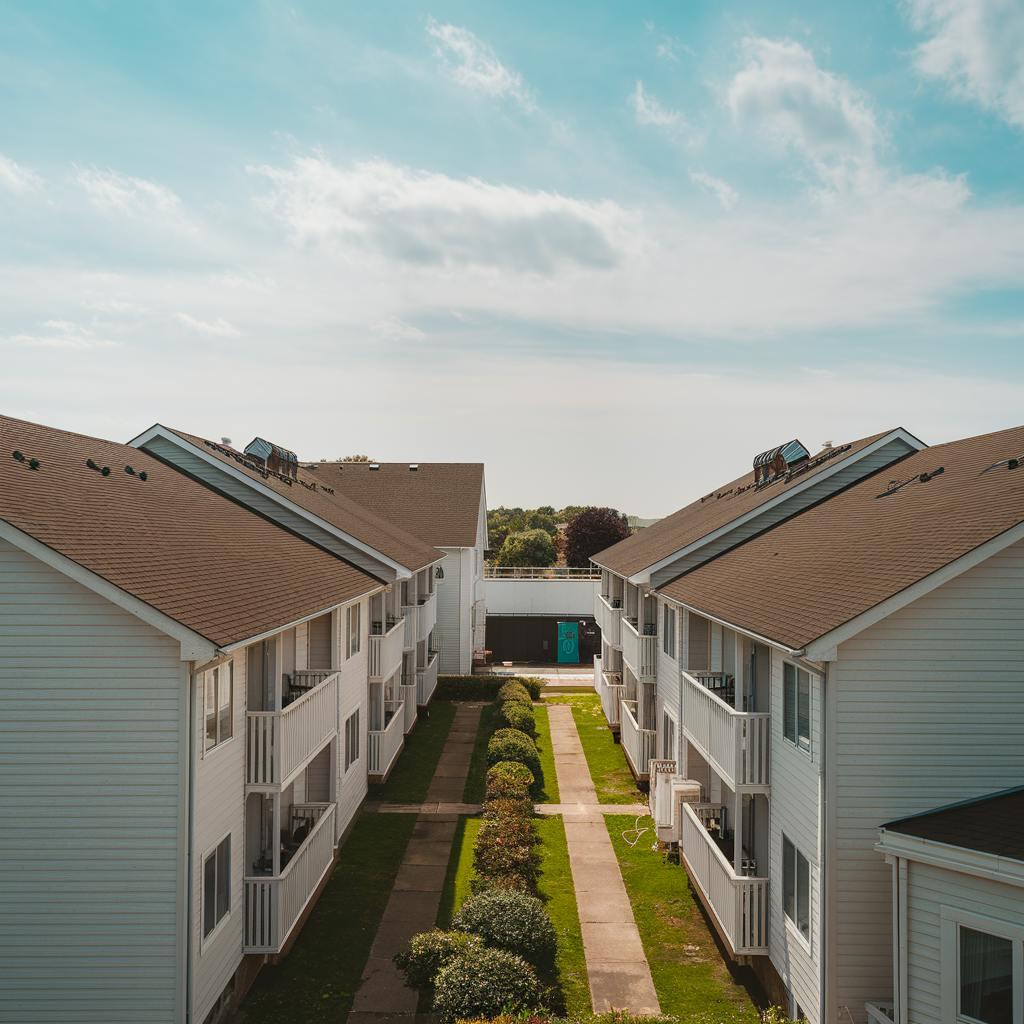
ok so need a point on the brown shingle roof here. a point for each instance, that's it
(439, 502)
(713, 511)
(337, 509)
(829, 564)
(991, 824)
(199, 558)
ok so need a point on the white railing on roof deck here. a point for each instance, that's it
(383, 745)
(409, 614)
(409, 698)
(739, 903)
(279, 742)
(609, 619)
(426, 680)
(734, 743)
(639, 651)
(386, 651)
(638, 744)
(274, 904)
(612, 692)
(427, 616)
(535, 572)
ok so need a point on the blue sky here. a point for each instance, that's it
(613, 251)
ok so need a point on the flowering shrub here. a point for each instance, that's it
(514, 921)
(514, 690)
(504, 855)
(513, 745)
(484, 985)
(516, 715)
(508, 807)
(429, 951)
(508, 779)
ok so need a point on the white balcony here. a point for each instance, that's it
(609, 618)
(426, 681)
(612, 693)
(598, 663)
(273, 904)
(640, 652)
(734, 743)
(409, 614)
(637, 743)
(409, 698)
(739, 904)
(384, 745)
(278, 743)
(386, 650)
(426, 618)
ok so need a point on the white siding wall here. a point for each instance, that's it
(795, 775)
(92, 744)
(219, 811)
(353, 694)
(454, 611)
(930, 889)
(927, 710)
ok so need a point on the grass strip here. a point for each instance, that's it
(690, 975)
(317, 981)
(410, 779)
(605, 758)
(547, 792)
(476, 780)
(557, 891)
(460, 871)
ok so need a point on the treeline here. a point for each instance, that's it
(545, 536)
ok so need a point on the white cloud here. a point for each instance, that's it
(977, 47)
(61, 334)
(135, 197)
(648, 110)
(427, 219)
(726, 195)
(17, 178)
(393, 328)
(219, 328)
(474, 65)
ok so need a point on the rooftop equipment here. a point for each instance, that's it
(778, 461)
(275, 458)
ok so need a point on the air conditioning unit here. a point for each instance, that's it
(673, 793)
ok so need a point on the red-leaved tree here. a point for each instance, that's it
(592, 530)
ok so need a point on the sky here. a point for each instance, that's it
(611, 250)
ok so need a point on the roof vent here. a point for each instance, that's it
(826, 446)
(274, 457)
(374, 465)
(414, 467)
(778, 461)
(226, 441)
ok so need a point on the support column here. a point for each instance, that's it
(737, 835)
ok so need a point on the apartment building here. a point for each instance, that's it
(445, 505)
(854, 663)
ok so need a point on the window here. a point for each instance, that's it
(216, 886)
(796, 706)
(352, 735)
(985, 979)
(218, 688)
(668, 737)
(668, 630)
(796, 888)
(353, 621)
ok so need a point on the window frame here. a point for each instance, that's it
(212, 677)
(353, 629)
(668, 720)
(213, 854)
(792, 871)
(353, 739)
(791, 706)
(669, 629)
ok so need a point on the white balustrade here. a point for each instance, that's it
(409, 698)
(639, 651)
(384, 745)
(637, 743)
(279, 742)
(426, 617)
(598, 663)
(409, 613)
(739, 903)
(613, 693)
(734, 743)
(609, 618)
(273, 904)
(426, 681)
(386, 651)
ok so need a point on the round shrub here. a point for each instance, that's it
(533, 686)
(429, 951)
(508, 779)
(484, 985)
(514, 690)
(516, 715)
(513, 745)
(518, 808)
(513, 921)
(504, 854)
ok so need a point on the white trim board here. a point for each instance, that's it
(951, 858)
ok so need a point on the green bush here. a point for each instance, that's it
(504, 855)
(484, 985)
(513, 745)
(516, 715)
(514, 690)
(509, 779)
(430, 951)
(483, 687)
(533, 685)
(509, 807)
(513, 921)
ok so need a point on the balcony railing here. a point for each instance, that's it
(409, 613)
(612, 694)
(274, 904)
(639, 651)
(383, 745)
(426, 681)
(734, 743)
(280, 742)
(386, 649)
(409, 698)
(637, 743)
(427, 617)
(533, 572)
(609, 618)
(738, 903)
(598, 662)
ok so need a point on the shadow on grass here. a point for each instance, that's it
(410, 780)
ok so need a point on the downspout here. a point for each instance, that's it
(824, 918)
(191, 841)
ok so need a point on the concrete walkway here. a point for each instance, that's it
(382, 996)
(620, 977)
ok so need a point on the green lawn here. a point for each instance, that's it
(612, 778)
(410, 779)
(476, 780)
(547, 792)
(316, 982)
(556, 889)
(690, 975)
(460, 870)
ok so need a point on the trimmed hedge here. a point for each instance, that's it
(514, 690)
(431, 951)
(504, 855)
(509, 920)
(509, 779)
(483, 687)
(508, 807)
(515, 714)
(484, 985)
(513, 745)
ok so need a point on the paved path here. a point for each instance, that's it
(620, 977)
(382, 996)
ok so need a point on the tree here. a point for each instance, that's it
(530, 547)
(355, 458)
(593, 530)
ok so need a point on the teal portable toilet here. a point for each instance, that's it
(568, 643)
